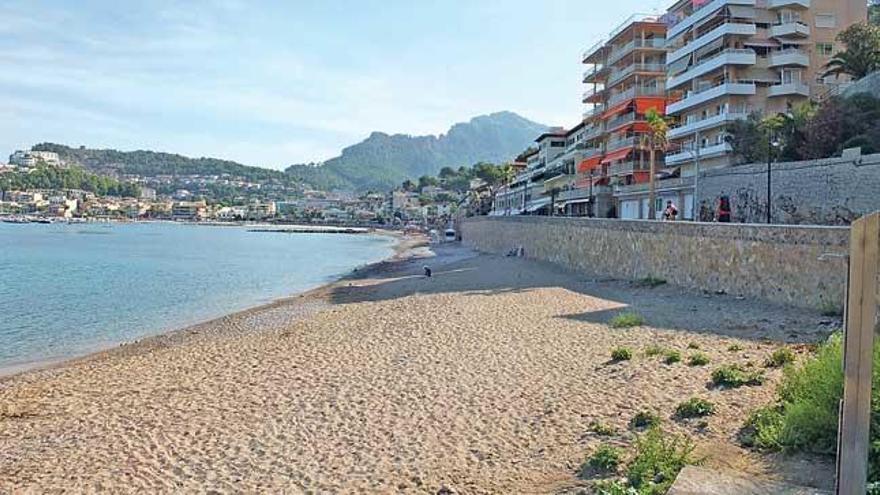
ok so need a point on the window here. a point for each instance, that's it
(825, 49)
(786, 16)
(557, 144)
(790, 76)
(826, 21)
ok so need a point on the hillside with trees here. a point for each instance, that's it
(50, 177)
(383, 161)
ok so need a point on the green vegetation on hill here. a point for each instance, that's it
(382, 161)
(151, 164)
(49, 177)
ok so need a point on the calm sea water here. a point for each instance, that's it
(66, 290)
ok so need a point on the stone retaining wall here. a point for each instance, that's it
(797, 265)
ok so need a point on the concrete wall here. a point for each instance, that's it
(832, 191)
(777, 263)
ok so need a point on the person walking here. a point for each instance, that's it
(723, 214)
(670, 212)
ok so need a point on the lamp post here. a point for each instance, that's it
(590, 203)
(771, 143)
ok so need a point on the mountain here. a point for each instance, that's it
(382, 161)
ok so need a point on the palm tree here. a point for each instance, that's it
(654, 140)
(862, 54)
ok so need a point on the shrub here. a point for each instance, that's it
(762, 429)
(621, 354)
(698, 359)
(693, 345)
(651, 282)
(644, 419)
(627, 319)
(602, 429)
(672, 357)
(653, 350)
(780, 358)
(734, 348)
(831, 309)
(605, 458)
(734, 376)
(694, 408)
(614, 487)
(658, 460)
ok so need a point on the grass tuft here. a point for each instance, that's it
(780, 358)
(734, 348)
(654, 350)
(672, 357)
(831, 309)
(605, 458)
(644, 419)
(658, 460)
(698, 359)
(694, 407)
(602, 430)
(693, 345)
(621, 354)
(627, 319)
(734, 376)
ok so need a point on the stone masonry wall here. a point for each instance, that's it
(785, 264)
(833, 191)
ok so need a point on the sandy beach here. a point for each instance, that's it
(482, 379)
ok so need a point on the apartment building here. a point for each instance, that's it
(728, 58)
(625, 78)
(30, 159)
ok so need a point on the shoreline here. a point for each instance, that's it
(404, 248)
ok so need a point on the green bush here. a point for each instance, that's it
(627, 319)
(780, 358)
(698, 359)
(734, 348)
(653, 350)
(658, 460)
(672, 357)
(621, 354)
(762, 429)
(694, 407)
(602, 430)
(614, 487)
(605, 458)
(693, 345)
(734, 376)
(644, 419)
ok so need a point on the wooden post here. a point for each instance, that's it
(861, 322)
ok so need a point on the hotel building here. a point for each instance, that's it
(626, 78)
(729, 58)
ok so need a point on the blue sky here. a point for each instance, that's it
(275, 83)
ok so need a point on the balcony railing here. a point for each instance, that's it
(705, 152)
(589, 52)
(731, 56)
(793, 88)
(695, 98)
(636, 91)
(702, 13)
(621, 120)
(618, 144)
(660, 185)
(792, 56)
(626, 168)
(778, 4)
(596, 110)
(730, 28)
(793, 29)
(707, 123)
(620, 52)
(620, 74)
(592, 92)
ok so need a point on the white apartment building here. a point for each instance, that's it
(29, 159)
(728, 58)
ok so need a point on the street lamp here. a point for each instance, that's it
(771, 143)
(590, 202)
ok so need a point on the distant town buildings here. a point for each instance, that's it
(29, 159)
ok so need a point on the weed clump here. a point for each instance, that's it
(658, 460)
(627, 319)
(694, 407)
(644, 419)
(698, 359)
(672, 357)
(734, 376)
(780, 358)
(621, 354)
(602, 430)
(605, 458)
(653, 350)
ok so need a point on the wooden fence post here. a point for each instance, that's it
(861, 321)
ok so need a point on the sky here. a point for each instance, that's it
(272, 83)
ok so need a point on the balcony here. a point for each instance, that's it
(702, 13)
(591, 152)
(620, 121)
(619, 53)
(705, 152)
(620, 74)
(594, 112)
(789, 57)
(792, 4)
(634, 92)
(592, 51)
(619, 144)
(695, 98)
(707, 123)
(660, 186)
(595, 74)
(726, 57)
(794, 29)
(593, 95)
(626, 168)
(789, 89)
(730, 28)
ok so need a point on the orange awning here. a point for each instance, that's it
(616, 155)
(641, 176)
(645, 104)
(589, 164)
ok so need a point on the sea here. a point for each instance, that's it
(70, 289)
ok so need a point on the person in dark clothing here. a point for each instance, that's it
(723, 215)
(427, 271)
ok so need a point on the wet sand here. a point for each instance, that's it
(482, 379)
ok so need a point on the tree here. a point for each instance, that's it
(427, 180)
(862, 54)
(874, 12)
(408, 185)
(656, 139)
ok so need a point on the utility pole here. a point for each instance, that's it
(590, 212)
(652, 210)
(769, 175)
